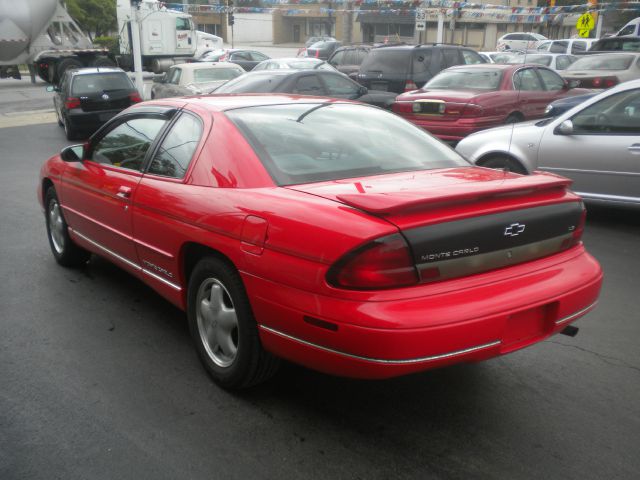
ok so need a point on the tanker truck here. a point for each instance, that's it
(42, 35)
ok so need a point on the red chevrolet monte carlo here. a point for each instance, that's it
(465, 99)
(286, 227)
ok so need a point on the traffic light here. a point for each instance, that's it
(230, 19)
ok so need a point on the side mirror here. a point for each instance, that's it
(52, 88)
(573, 83)
(565, 128)
(74, 153)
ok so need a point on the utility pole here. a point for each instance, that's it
(230, 18)
(135, 47)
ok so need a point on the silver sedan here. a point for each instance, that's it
(596, 144)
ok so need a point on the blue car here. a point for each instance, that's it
(567, 103)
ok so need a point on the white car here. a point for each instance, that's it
(567, 45)
(596, 144)
(555, 61)
(520, 41)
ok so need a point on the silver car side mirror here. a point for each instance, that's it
(565, 128)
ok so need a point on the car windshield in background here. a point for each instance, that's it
(212, 56)
(306, 143)
(251, 84)
(100, 82)
(537, 59)
(387, 61)
(466, 80)
(624, 44)
(309, 64)
(602, 62)
(204, 75)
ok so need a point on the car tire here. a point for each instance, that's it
(65, 251)
(69, 131)
(102, 61)
(223, 328)
(503, 162)
(64, 65)
(60, 123)
(513, 118)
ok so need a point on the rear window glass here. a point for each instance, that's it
(623, 44)
(385, 60)
(100, 82)
(466, 80)
(251, 84)
(215, 74)
(602, 62)
(305, 143)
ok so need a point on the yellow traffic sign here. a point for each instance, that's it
(583, 33)
(585, 22)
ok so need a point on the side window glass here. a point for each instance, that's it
(451, 57)
(544, 47)
(338, 86)
(578, 47)
(470, 57)
(360, 56)
(551, 80)
(421, 61)
(308, 85)
(559, 47)
(350, 57)
(337, 58)
(628, 30)
(175, 76)
(182, 24)
(257, 56)
(617, 114)
(527, 80)
(174, 154)
(126, 145)
(562, 62)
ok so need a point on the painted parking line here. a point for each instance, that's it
(20, 119)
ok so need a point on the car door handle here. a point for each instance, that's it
(124, 192)
(635, 148)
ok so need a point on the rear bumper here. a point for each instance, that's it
(89, 121)
(455, 130)
(485, 316)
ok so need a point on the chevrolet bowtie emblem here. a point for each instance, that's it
(514, 229)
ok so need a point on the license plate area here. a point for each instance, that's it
(431, 108)
(527, 326)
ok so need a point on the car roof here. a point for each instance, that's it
(231, 101)
(484, 66)
(94, 70)
(207, 65)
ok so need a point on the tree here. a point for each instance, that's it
(96, 17)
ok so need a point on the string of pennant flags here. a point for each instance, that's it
(388, 7)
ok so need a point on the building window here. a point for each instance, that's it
(212, 28)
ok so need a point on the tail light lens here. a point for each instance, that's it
(410, 85)
(472, 110)
(135, 97)
(604, 82)
(72, 102)
(383, 263)
(317, 54)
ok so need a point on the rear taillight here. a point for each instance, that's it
(410, 85)
(382, 263)
(576, 234)
(72, 102)
(604, 82)
(317, 54)
(135, 97)
(472, 110)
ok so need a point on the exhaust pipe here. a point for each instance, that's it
(570, 331)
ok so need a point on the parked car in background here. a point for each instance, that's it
(604, 70)
(558, 107)
(194, 78)
(596, 144)
(573, 46)
(408, 67)
(555, 61)
(322, 49)
(520, 41)
(311, 40)
(465, 99)
(501, 57)
(616, 44)
(631, 29)
(307, 82)
(247, 59)
(280, 226)
(293, 63)
(87, 97)
(347, 59)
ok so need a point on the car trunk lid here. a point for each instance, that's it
(466, 220)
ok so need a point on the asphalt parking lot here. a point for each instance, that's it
(99, 380)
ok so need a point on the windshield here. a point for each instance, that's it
(203, 75)
(602, 62)
(251, 84)
(318, 142)
(100, 82)
(475, 79)
(387, 60)
(623, 44)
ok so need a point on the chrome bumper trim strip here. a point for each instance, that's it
(383, 361)
(576, 314)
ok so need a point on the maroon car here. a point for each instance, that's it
(464, 99)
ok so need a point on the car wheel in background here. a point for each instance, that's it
(64, 250)
(102, 61)
(223, 327)
(64, 65)
(514, 118)
(503, 162)
(69, 131)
